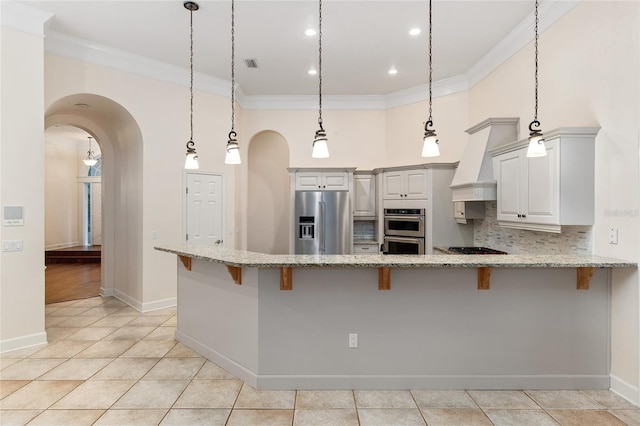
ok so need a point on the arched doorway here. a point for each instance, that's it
(121, 147)
(268, 194)
(72, 214)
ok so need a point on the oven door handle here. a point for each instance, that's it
(409, 217)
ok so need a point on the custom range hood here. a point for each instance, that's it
(474, 179)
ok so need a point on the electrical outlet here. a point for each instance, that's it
(154, 235)
(613, 236)
(353, 340)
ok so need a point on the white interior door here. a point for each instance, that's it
(96, 213)
(204, 208)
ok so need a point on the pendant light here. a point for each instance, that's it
(536, 140)
(233, 150)
(430, 143)
(191, 161)
(91, 160)
(320, 148)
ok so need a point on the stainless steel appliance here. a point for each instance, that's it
(322, 222)
(403, 245)
(404, 222)
(404, 231)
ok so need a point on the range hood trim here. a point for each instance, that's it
(501, 130)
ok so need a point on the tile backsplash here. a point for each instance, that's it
(364, 229)
(573, 239)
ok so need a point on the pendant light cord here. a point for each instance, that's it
(430, 66)
(191, 78)
(320, 64)
(535, 116)
(233, 74)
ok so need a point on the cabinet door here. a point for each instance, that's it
(416, 184)
(542, 196)
(508, 170)
(364, 195)
(308, 181)
(335, 181)
(392, 185)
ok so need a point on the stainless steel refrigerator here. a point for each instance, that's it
(322, 222)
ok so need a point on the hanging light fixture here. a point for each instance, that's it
(536, 140)
(233, 150)
(91, 160)
(191, 161)
(320, 148)
(430, 143)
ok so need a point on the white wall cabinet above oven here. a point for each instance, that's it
(405, 185)
(544, 193)
(322, 181)
(364, 194)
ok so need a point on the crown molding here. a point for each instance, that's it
(310, 102)
(550, 11)
(95, 53)
(24, 18)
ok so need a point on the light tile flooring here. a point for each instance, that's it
(107, 364)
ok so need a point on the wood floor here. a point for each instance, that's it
(71, 281)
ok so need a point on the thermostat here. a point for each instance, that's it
(13, 216)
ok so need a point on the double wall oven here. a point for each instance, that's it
(404, 231)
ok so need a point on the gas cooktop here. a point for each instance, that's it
(475, 250)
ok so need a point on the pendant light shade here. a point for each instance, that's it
(233, 149)
(320, 148)
(430, 146)
(536, 140)
(91, 160)
(191, 162)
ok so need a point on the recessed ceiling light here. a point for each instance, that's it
(310, 32)
(393, 71)
(312, 72)
(414, 31)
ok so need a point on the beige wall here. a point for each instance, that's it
(405, 130)
(22, 184)
(268, 194)
(589, 76)
(61, 192)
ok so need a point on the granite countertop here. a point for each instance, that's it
(234, 257)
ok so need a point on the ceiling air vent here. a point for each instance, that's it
(251, 63)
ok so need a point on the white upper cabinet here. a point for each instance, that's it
(322, 181)
(404, 184)
(364, 194)
(543, 193)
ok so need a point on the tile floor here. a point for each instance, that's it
(107, 364)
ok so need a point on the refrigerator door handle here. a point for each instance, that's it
(322, 222)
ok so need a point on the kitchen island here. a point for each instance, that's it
(422, 322)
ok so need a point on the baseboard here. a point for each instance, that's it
(239, 371)
(391, 382)
(159, 304)
(63, 245)
(106, 292)
(135, 304)
(625, 390)
(23, 342)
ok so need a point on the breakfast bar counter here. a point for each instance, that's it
(420, 322)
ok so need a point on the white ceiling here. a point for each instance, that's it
(362, 39)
